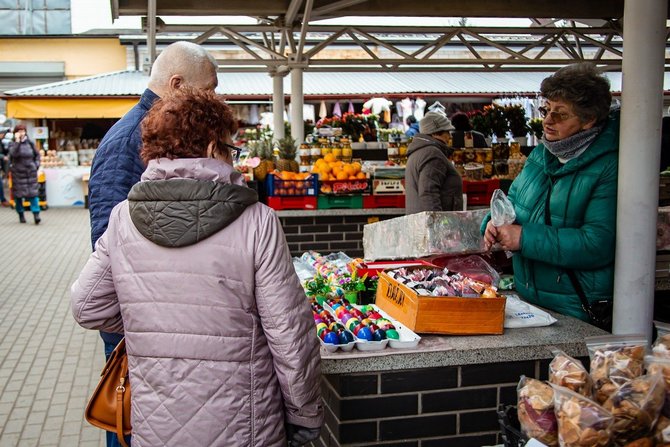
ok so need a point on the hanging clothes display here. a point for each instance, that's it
(378, 105)
(407, 108)
(337, 111)
(323, 113)
(419, 107)
(350, 108)
(438, 108)
(254, 116)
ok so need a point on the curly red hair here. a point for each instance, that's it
(184, 123)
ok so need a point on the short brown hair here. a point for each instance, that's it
(184, 123)
(581, 85)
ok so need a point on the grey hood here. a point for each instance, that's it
(183, 201)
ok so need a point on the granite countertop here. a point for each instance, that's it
(442, 350)
(343, 212)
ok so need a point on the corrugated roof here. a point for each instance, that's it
(133, 83)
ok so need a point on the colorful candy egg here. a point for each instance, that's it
(364, 333)
(331, 338)
(393, 334)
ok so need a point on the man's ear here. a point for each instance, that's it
(175, 82)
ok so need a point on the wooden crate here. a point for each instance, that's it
(440, 314)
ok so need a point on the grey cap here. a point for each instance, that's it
(433, 122)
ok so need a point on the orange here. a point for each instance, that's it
(329, 158)
(349, 169)
(361, 176)
(356, 166)
(352, 177)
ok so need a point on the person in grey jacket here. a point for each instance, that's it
(431, 180)
(117, 165)
(198, 276)
(24, 161)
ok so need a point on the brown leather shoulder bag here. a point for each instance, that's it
(109, 406)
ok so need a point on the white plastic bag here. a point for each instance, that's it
(521, 314)
(502, 210)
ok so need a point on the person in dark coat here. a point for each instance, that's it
(24, 161)
(462, 124)
(431, 180)
(4, 162)
(117, 165)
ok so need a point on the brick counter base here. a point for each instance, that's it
(328, 234)
(449, 406)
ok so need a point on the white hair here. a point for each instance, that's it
(180, 58)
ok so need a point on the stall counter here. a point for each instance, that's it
(444, 392)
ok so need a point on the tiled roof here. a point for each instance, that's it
(133, 83)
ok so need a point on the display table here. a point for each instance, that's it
(64, 186)
(442, 393)
(331, 230)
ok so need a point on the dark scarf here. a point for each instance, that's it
(567, 148)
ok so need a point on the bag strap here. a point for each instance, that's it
(586, 307)
(120, 391)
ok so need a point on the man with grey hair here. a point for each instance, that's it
(117, 165)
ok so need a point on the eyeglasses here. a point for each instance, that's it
(234, 151)
(556, 116)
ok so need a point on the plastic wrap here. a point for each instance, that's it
(425, 234)
(581, 422)
(660, 365)
(536, 411)
(635, 407)
(615, 359)
(570, 373)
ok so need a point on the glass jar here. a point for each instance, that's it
(392, 152)
(347, 152)
(402, 152)
(305, 155)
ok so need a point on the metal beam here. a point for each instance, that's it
(363, 45)
(334, 6)
(291, 12)
(248, 41)
(151, 30)
(303, 28)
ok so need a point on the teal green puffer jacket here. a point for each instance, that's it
(583, 216)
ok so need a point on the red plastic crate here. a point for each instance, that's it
(292, 202)
(389, 201)
(480, 192)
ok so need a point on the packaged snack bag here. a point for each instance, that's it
(581, 421)
(535, 406)
(570, 373)
(635, 407)
(661, 347)
(662, 431)
(615, 359)
(660, 365)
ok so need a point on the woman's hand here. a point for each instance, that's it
(490, 236)
(509, 237)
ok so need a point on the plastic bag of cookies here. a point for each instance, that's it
(581, 421)
(615, 359)
(535, 407)
(662, 431)
(570, 373)
(635, 407)
(661, 347)
(660, 365)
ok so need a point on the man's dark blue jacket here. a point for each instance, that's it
(117, 165)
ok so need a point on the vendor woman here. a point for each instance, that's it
(565, 197)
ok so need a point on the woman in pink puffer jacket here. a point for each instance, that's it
(198, 276)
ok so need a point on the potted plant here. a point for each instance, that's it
(352, 285)
(480, 123)
(536, 127)
(318, 288)
(498, 120)
(516, 118)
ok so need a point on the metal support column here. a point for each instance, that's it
(297, 101)
(639, 158)
(278, 105)
(151, 30)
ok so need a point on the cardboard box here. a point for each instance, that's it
(440, 314)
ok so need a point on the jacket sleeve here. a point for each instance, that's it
(289, 327)
(432, 174)
(93, 297)
(116, 168)
(587, 247)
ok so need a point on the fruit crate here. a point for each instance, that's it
(353, 201)
(289, 188)
(480, 192)
(388, 201)
(292, 202)
(340, 187)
